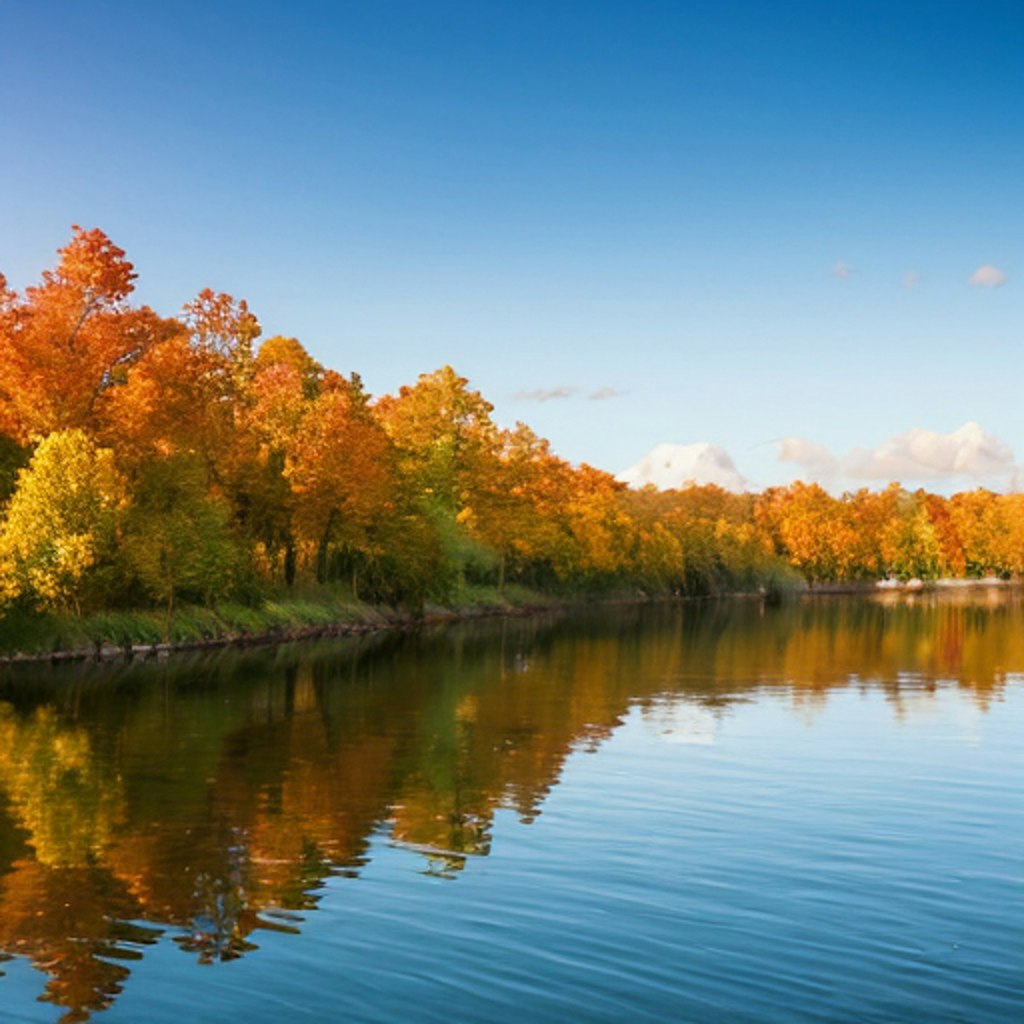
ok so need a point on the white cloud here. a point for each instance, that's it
(544, 394)
(602, 394)
(669, 466)
(968, 451)
(968, 454)
(987, 276)
(842, 270)
(679, 721)
(816, 459)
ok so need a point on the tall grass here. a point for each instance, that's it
(43, 633)
(30, 633)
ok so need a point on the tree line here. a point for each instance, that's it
(148, 460)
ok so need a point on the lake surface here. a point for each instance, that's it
(704, 813)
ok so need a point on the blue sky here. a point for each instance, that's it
(708, 211)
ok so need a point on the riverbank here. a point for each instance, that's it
(911, 586)
(130, 635)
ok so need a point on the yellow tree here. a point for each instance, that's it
(443, 434)
(657, 559)
(720, 546)
(514, 501)
(601, 529)
(59, 531)
(267, 421)
(445, 444)
(975, 516)
(909, 538)
(1011, 513)
(810, 529)
(290, 352)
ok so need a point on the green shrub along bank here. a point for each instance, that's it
(33, 634)
(30, 634)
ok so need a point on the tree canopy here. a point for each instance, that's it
(151, 459)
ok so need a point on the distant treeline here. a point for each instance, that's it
(147, 460)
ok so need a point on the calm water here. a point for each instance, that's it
(714, 813)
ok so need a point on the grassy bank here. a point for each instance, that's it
(109, 634)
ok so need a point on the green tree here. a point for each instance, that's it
(177, 536)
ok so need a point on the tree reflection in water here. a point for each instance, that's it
(215, 796)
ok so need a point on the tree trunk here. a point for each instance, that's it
(289, 561)
(321, 551)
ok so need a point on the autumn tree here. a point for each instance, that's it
(953, 560)
(721, 548)
(909, 538)
(598, 527)
(291, 354)
(59, 532)
(341, 469)
(225, 328)
(70, 339)
(975, 515)
(286, 382)
(514, 505)
(445, 444)
(443, 435)
(1011, 515)
(13, 456)
(191, 398)
(809, 528)
(657, 557)
(186, 394)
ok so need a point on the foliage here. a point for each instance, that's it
(177, 540)
(169, 461)
(70, 339)
(61, 523)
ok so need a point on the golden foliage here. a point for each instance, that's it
(61, 520)
(288, 469)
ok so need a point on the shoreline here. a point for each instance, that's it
(376, 619)
(911, 586)
(381, 621)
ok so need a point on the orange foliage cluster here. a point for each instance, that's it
(242, 468)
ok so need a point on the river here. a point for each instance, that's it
(714, 812)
